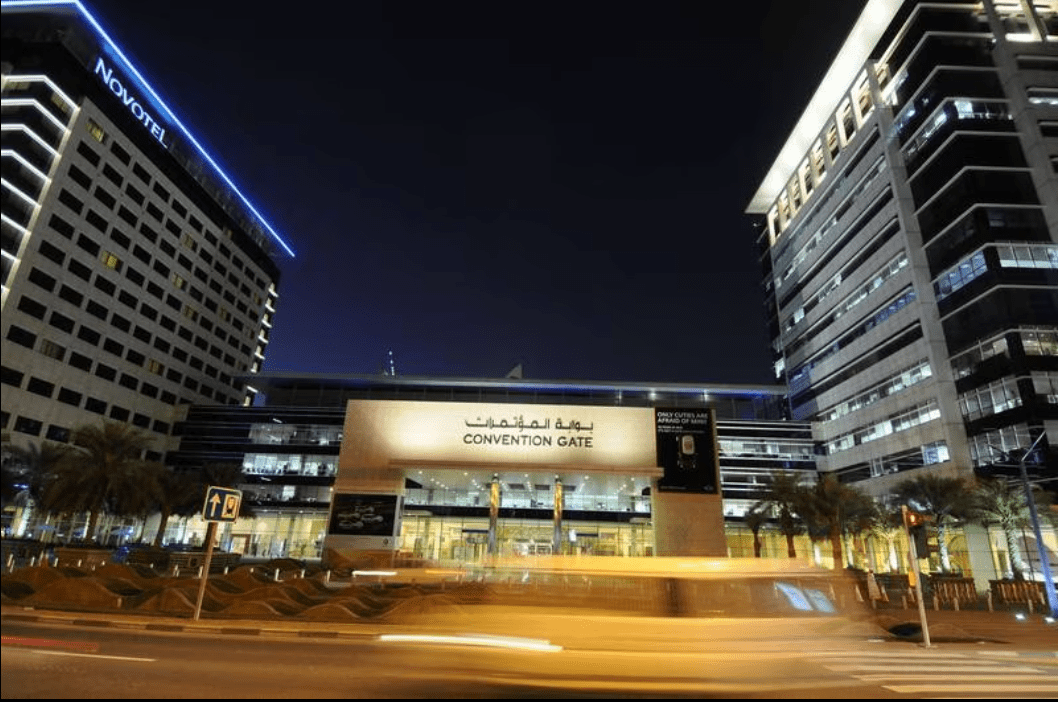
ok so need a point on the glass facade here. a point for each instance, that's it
(288, 451)
(909, 259)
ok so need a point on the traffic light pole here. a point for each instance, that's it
(919, 590)
(1041, 548)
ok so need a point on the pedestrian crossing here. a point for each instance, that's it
(938, 673)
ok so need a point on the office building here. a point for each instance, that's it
(908, 231)
(461, 466)
(138, 279)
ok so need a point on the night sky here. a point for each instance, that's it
(474, 186)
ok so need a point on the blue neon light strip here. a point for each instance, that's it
(169, 113)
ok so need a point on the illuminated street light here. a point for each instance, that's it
(1041, 548)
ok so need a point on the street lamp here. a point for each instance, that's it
(1041, 548)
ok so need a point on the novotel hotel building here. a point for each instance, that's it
(137, 277)
(373, 468)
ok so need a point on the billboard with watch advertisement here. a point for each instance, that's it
(687, 450)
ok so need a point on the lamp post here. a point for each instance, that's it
(1041, 548)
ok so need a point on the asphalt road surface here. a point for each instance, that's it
(45, 660)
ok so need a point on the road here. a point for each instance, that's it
(48, 660)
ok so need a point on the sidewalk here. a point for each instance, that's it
(970, 626)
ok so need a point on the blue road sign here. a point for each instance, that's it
(222, 504)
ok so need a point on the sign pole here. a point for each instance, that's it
(222, 505)
(211, 531)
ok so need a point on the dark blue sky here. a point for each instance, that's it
(476, 186)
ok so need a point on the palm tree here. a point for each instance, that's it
(945, 499)
(755, 519)
(832, 508)
(181, 494)
(105, 471)
(996, 500)
(781, 497)
(885, 526)
(31, 470)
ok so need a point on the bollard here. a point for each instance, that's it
(990, 607)
(956, 603)
(303, 572)
(277, 575)
(225, 570)
(200, 571)
(936, 602)
(903, 601)
(327, 577)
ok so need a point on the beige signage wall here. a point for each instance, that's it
(383, 433)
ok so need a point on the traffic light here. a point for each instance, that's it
(916, 529)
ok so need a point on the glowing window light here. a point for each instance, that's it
(158, 100)
(37, 78)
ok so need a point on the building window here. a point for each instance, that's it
(70, 397)
(41, 279)
(88, 334)
(141, 173)
(89, 154)
(61, 321)
(10, 376)
(80, 361)
(96, 405)
(111, 261)
(97, 310)
(120, 153)
(26, 425)
(51, 252)
(40, 387)
(97, 133)
(57, 433)
(70, 295)
(21, 336)
(52, 350)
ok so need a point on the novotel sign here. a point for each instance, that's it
(106, 74)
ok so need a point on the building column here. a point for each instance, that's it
(556, 541)
(494, 513)
(926, 301)
(1023, 112)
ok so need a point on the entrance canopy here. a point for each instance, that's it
(532, 479)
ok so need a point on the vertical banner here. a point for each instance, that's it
(556, 542)
(494, 512)
(686, 445)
